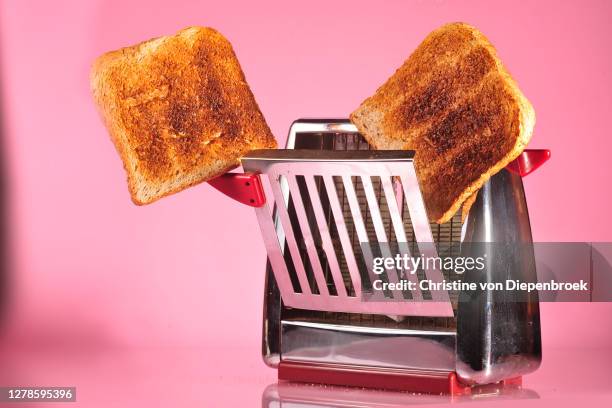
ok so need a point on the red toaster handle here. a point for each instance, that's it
(528, 161)
(245, 188)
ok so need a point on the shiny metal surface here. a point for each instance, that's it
(272, 301)
(368, 346)
(270, 336)
(306, 126)
(343, 234)
(307, 134)
(494, 340)
(499, 337)
(312, 228)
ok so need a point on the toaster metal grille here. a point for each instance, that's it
(324, 211)
(446, 235)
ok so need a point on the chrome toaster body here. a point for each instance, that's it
(481, 340)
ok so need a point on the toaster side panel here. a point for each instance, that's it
(498, 336)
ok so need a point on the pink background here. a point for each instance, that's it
(91, 271)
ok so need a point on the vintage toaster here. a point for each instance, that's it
(325, 206)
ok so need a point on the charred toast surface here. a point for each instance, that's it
(455, 104)
(179, 111)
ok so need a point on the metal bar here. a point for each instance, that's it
(326, 156)
(281, 208)
(400, 233)
(311, 249)
(345, 241)
(422, 229)
(326, 240)
(379, 229)
(273, 247)
(362, 234)
(367, 308)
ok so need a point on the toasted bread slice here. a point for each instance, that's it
(455, 104)
(178, 110)
(467, 205)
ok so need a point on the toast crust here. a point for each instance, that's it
(179, 111)
(455, 104)
(467, 205)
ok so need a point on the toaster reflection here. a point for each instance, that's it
(294, 395)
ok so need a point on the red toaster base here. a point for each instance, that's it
(369, 377)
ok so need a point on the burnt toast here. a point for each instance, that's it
(454, 103)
